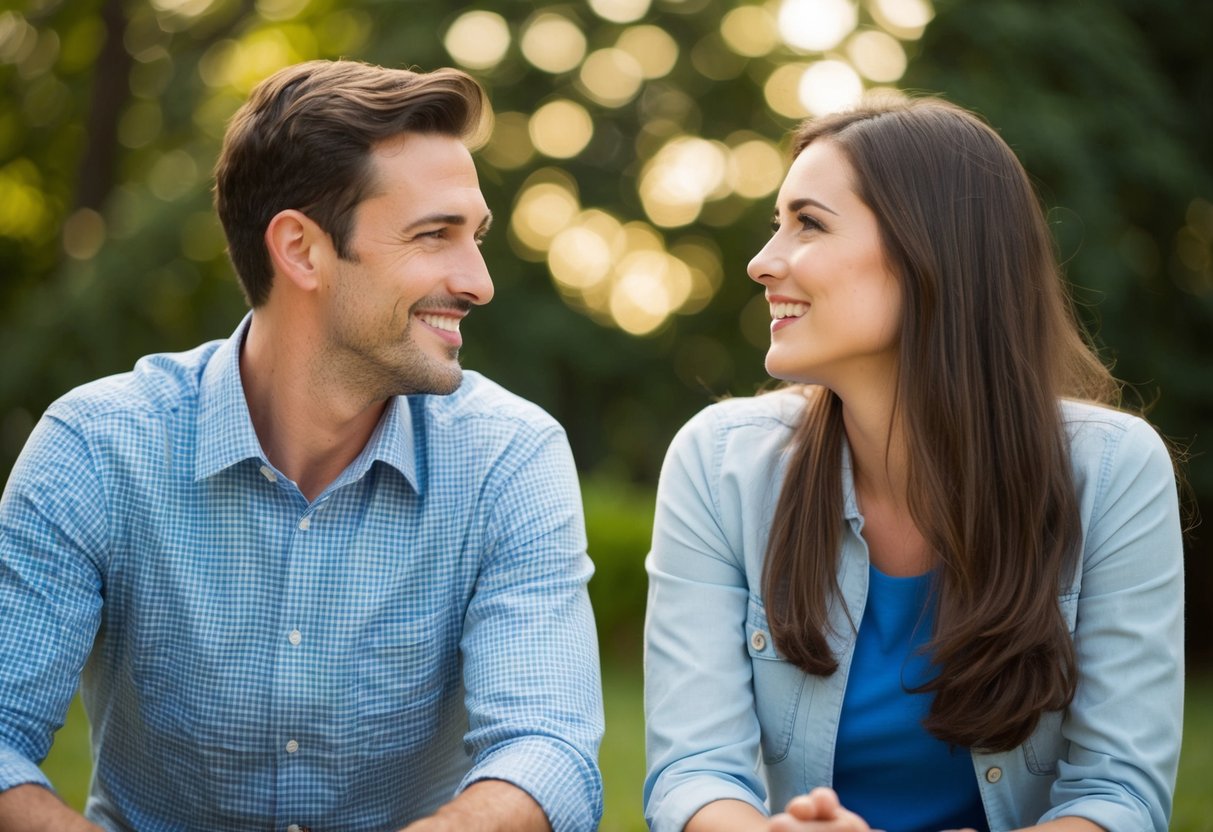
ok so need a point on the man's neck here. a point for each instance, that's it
(309, 430)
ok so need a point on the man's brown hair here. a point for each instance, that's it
(303, 141)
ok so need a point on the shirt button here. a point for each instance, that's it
(295, 637)
(268, 473)
(993, 774)
(304, 523)
(292, 747)
(759, 640)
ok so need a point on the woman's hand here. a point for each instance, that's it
(817, 811)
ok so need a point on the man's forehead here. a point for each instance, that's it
(434, 172)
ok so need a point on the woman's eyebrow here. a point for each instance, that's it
(796, 204)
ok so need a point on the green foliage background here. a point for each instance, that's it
(106, 114)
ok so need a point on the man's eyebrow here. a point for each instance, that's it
(796, 204)
(448, 219)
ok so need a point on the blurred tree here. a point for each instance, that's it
(631, 171)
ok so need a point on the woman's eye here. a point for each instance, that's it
(809, 223)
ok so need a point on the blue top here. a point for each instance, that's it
(728, 717)
(252, 660)
(887, 768)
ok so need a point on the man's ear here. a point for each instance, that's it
(299, 248)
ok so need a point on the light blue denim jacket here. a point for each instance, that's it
(727, 717)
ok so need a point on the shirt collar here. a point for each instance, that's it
(850, 505)
(225, 428)
(391, 444)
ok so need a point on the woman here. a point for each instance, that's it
(941, 574)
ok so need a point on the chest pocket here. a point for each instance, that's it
(778, 686)
(1046, 745)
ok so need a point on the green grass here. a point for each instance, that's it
(623, 755)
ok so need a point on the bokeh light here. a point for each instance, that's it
(173, 175)
(478, 39)
(185, 8)
(620, 11)
(830, 86)
(653, 49)
(18, 38)
(547, 203)
(782, 90)
(816, 25)
(755, 168)
(281, 9)
(83, 234)
(907, 19)
(553, 43)
(877, 56)
(685, 172)
(561, 129)
(24, 213)
(750, 31)
(580, 256)
(611, 77)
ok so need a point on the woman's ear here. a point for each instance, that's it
(298, 249)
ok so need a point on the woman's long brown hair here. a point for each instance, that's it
(988, 346)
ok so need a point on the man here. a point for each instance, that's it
(315, 576)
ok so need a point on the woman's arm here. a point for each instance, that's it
(702, 732)
(1123, 729)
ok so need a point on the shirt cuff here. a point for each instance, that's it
(565, 784)
(673, 810)
(17, 770)
(1108, 814)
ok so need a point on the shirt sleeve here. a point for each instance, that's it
(530, 650)
(52, 531)
(702, 732)
(1126, 721)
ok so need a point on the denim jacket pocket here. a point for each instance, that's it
(1046, 745)
(778, 686)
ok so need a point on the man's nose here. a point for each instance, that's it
(472, 280)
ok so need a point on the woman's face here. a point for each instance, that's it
(835, 303)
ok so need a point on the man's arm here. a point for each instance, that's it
(484, 806)
(52, 531)
(529, 647)
(31, 808)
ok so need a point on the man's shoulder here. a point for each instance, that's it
(158, 384)
(481, 404)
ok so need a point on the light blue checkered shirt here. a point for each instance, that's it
(252, 661)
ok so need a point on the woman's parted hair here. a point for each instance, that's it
(303, 141)
(988, 346)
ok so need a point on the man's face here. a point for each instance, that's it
(416, 270)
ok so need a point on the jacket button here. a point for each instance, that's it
(759, 640)
(993, 774)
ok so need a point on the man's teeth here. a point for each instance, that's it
(446, 322)
(788, 310)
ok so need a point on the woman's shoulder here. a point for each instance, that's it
(778, 408)
(1088, 423)
(751, 427)
(1109, 445)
